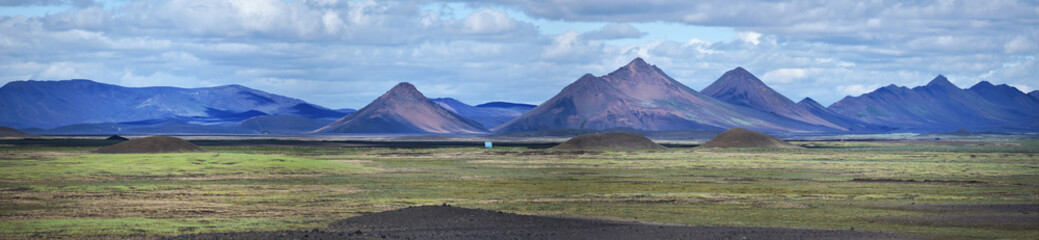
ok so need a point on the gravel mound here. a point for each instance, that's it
(614, 140)
(153, 144)
(445, 222)
(6, 132)
(743, 138)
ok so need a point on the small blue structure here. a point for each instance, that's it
(487, 145)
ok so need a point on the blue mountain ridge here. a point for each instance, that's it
(50, 104)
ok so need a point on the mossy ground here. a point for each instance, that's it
(66, 192)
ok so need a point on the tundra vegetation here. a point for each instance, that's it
(970, 190)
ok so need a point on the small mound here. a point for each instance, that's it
(117, 137)
(743, 138)
(615, 140)
(445, 222)
(153, 144)
(6, 132)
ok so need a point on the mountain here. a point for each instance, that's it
(519, 107)
(642, 96)
(850, 123)
(939, 105)
(284, 124)
(164, 127)
(1034, 94)
(488, 117)
(1005, 96)
(403, 109)
(742, 88)
(49, 104)
(315, 112)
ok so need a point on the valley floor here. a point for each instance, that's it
(975, 190)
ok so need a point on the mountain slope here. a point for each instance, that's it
(641, 96)
(1007, 97)
(403, 109)
(740, 87)
(850, 123)
(507, 105)
(939, 105)
(48, 104)
(487, 117)
(282, 124)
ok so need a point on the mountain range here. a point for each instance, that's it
(643, 97)
(489, 115)
(637, 96)
(49, 104)
(941, 105)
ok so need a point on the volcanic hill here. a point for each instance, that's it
(743, 138)
(613, 140)
(641, 96)
(403, 109)
(6, 132)
(153, 144)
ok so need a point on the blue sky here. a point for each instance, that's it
(346, 53)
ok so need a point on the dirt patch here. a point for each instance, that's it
(743, 138)
(888, 180)
(993, 216)
(445, 222)
(616, 140)
(154, 144)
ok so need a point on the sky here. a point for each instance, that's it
(346, 53)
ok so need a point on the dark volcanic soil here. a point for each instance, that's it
(615, 140)
(153, 144)
(444, 222)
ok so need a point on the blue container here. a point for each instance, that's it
(487, 145)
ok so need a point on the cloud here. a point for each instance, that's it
(786, 75)
(22, 3)
(614, 31)
(854, 89)
(749, 37)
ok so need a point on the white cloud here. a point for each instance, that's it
(854, 89)
(749, 37)
(614, 31)
(786, 75)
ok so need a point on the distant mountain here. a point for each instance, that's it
(1034, 94)
(165, 127)
(315, 112)
(742, 88)
(1008, 97)
(403, 109)
(850, 123)
(940, 105)
(49, 104)
(507, 105)
(488, 117)
(641, 96)
(283, 124)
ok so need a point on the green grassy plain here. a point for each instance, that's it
(67, 192)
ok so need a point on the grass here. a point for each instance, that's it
(112, 166)
(65, 192)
